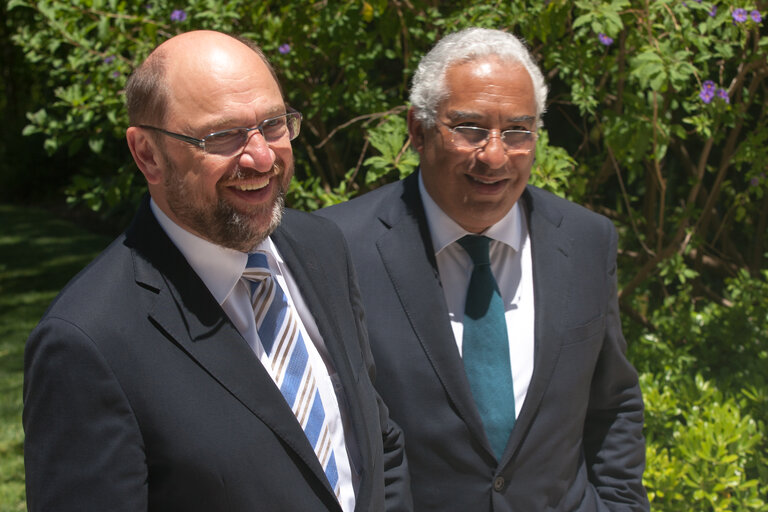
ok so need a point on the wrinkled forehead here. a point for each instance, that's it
(488, 68)
(219, 79)
(489, 82)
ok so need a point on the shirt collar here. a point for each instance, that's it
(444, 230)
(220, 268)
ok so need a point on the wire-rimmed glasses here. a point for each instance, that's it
(474, 137)
(232, 141)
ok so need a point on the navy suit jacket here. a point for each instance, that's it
(577, 444)
(139, 393)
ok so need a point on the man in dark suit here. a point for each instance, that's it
(511, 385)
(150, 383)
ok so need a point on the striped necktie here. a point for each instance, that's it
(283, 342)
(485, 347)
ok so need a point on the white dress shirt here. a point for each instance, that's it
(221, 270)
(510, 252)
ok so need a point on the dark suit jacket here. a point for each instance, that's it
(577, 444)
(139, 393)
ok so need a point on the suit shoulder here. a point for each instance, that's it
(104, 270)
(308, 224)
(359, 211)
(307, 230)
(561, 210)
(91, 298)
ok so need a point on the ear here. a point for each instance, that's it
(145, 154)
(415, 131)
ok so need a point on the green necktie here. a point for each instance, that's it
(485, 347)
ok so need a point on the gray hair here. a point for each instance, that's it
(428, 88)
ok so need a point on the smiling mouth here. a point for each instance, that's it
(485, 181)
(253, 184)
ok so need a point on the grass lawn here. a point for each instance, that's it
(39, 253)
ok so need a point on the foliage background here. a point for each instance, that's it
(656, 118)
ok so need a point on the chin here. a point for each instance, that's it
(256, 230)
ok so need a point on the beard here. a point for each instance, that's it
(223, 224)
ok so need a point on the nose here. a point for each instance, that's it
(493, 154)
(257, 154)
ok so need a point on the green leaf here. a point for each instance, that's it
(96, 144)
(12, 4)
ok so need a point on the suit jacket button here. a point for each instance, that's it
(498, 484)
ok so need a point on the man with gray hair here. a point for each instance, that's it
(492, 305)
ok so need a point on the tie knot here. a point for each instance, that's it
(257, 260)
(478, 248)
(257, 267)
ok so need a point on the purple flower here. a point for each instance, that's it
(739, 15)
(115, 74)
(723, 95)
(109, 60)
(178, 15)
(713, 11)
(754, 181)
(756, 16)
(707, 91)
(284, 48)
(604, 39)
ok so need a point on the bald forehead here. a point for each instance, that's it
(203, 53)
(212, 81)
(200, 39)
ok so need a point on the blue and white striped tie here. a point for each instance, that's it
(281, 338)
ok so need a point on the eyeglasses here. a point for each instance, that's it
(474, 137)
(232, 141)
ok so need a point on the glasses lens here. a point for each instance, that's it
(469, 136)
(227, 142)
(278, 127)
(518, 139)
(293, 124)
(274, 129)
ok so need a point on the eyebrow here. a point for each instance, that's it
(231, 122)
(460, 115)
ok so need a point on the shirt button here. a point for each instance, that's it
(498, 484)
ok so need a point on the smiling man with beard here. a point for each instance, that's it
(491, 304)
(214, 357)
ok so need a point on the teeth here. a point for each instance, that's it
(257, 185)
(484, 182)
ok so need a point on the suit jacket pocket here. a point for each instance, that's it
(584, 332)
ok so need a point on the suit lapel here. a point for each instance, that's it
(407, 253)
(551, 267)
(188, 315)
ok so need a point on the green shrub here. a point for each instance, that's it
(702, 449)
(656, 118)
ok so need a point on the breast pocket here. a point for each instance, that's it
(579, 352)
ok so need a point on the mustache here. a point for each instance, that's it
(480, 168)
(239, 173)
